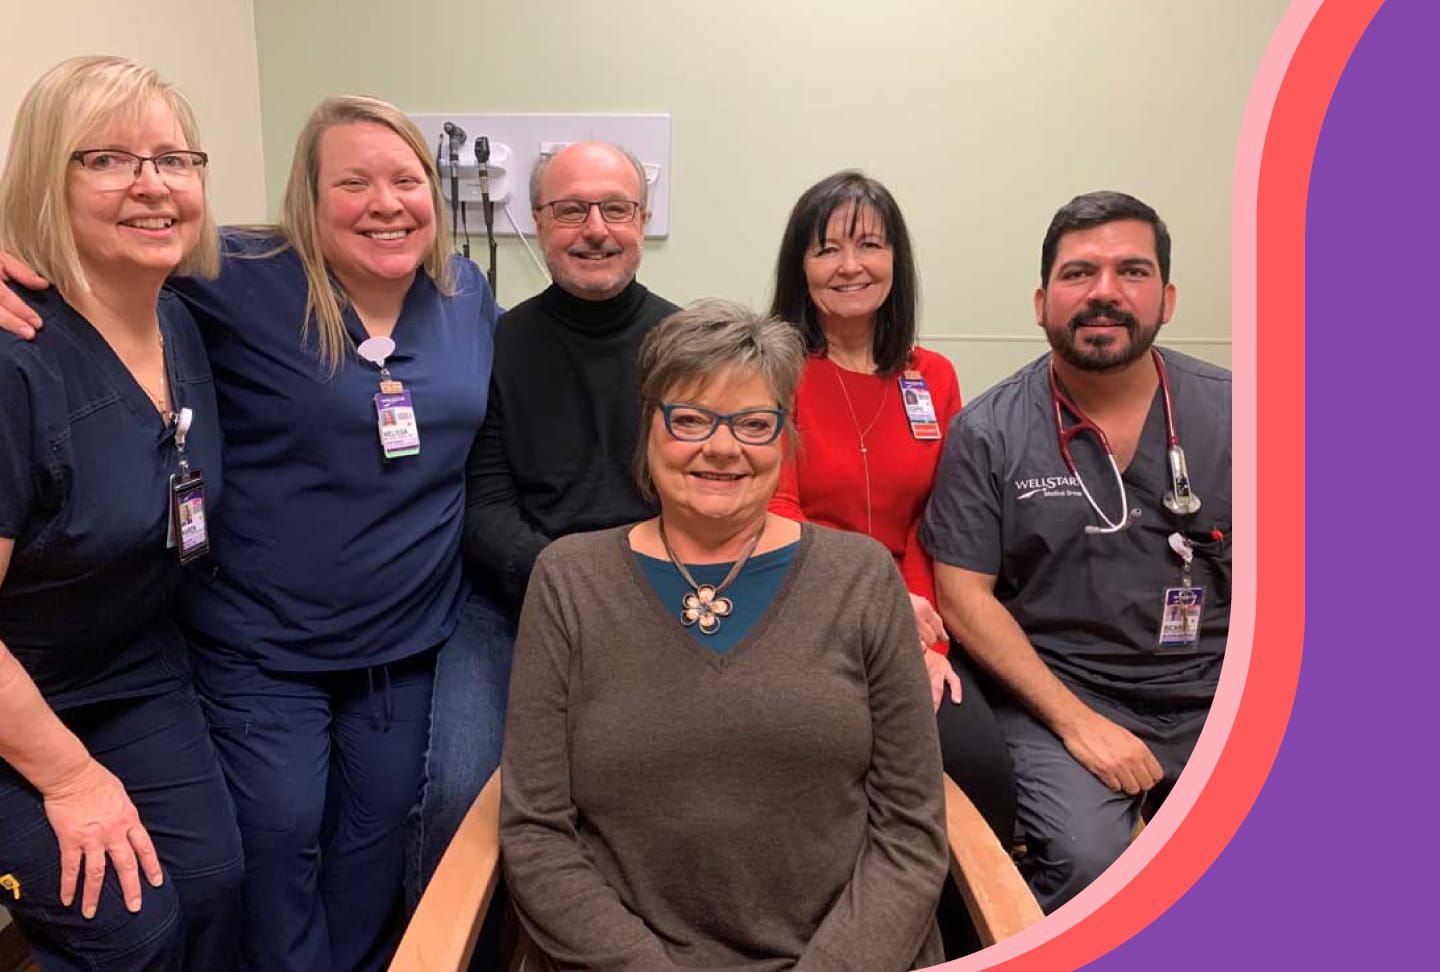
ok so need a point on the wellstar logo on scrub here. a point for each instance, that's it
(1047, 486)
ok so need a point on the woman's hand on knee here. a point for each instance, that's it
(928, 621)
(937, 666)
(92, 817)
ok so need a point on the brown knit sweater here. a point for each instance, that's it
(776, 807)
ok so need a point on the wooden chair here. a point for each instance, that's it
(442, 933)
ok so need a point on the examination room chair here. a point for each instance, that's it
(441, 936)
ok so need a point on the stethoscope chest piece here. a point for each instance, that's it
(1180, 499)
(1182, 505)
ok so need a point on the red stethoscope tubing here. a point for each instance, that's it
(1179, 500)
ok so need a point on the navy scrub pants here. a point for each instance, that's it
(323, 768)
(160, 750)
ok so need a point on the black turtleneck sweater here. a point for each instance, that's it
(553, 456)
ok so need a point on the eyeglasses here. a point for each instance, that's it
(575, 211)
(117, 169)
(753, 426)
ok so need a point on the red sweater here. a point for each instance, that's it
(826, 482)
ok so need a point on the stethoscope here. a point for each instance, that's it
(1180, 499)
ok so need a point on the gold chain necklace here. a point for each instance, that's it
(864, 450)
(161, 401)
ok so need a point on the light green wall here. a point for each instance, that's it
(982, 118)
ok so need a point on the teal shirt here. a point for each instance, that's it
(750, 594)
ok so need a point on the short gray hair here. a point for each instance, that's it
(537, 174)
(700, 342)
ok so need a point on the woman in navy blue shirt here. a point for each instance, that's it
(351, 353)
(103, 749)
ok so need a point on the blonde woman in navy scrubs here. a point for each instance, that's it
(119, 849)
(351, 353)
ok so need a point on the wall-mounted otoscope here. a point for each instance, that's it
(482, 158)
(454, 138)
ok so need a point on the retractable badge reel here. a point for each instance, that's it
(188, 533)
(394, 412)
(1184, 605)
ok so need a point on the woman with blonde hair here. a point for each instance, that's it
(351, 353)
(108, 430)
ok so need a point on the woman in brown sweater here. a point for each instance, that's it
(718, 752)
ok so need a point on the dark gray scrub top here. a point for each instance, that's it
(1005, 504)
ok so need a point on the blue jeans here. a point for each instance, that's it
(467, 723)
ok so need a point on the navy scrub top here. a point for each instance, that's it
(85, 464)
(330, 557)
(1005, 504)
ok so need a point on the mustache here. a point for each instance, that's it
(1110, 312)
(601, 249)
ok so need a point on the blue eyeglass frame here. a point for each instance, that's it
(717, 419)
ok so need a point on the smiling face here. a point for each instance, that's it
(850, 270)
(718, 479)
(1104, 302)
(149, 227)
(373, 206)
(593, 260)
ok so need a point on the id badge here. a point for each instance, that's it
(1180, 618)
(919, 407)
(188, 531)
(395, 418)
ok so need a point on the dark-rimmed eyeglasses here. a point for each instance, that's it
(118, 169)
(575, 211)
(753, 426)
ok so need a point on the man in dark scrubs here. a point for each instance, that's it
(553, 456)
(1077, 588)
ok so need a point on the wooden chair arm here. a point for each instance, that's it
(442, 932)
(997, 897)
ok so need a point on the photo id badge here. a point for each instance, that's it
(395, 417)
(188, 531)
(1180, 618)
(919, 407)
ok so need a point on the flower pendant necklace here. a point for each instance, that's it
(704, 605)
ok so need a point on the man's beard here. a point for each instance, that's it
(1107, 356)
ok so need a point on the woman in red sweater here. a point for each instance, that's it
(872, 410)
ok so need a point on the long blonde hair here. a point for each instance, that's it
(68, 103)
(326, 301)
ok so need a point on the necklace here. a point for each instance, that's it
(704, 603)
(864, 450)
(160, 400)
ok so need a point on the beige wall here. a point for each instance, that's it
(981, 117)
(206, 47)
